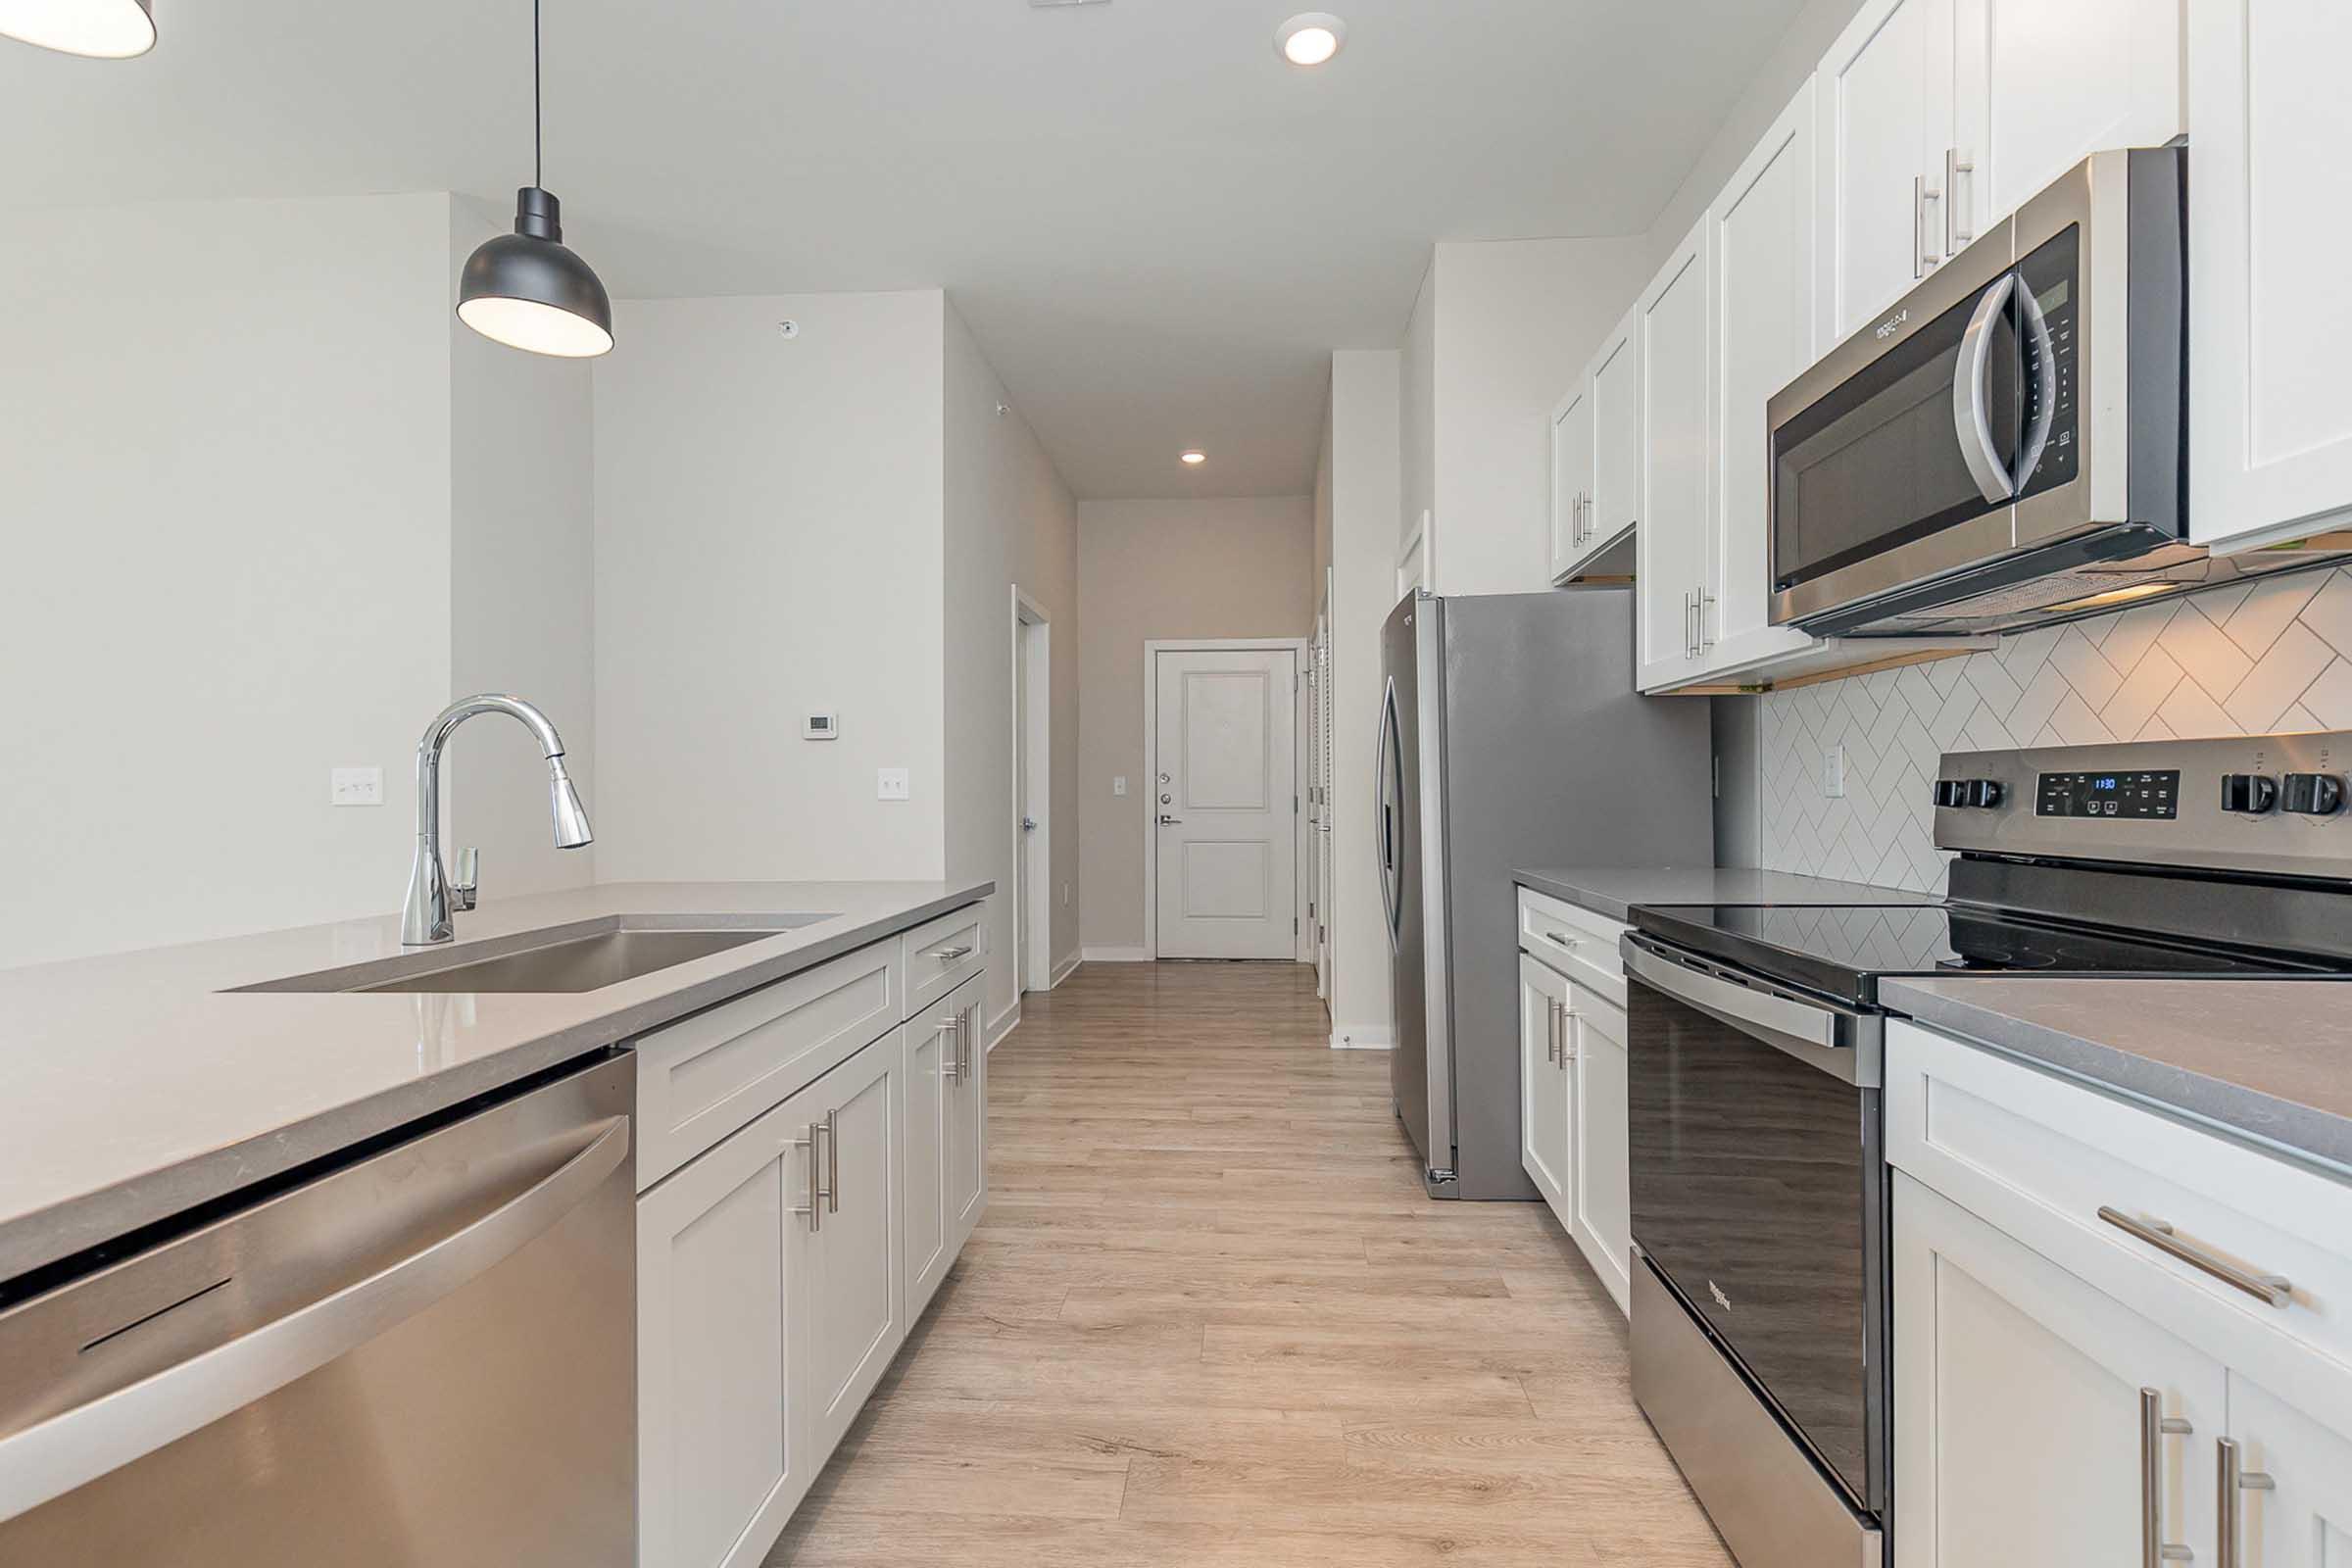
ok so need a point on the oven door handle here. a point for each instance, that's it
(1971, 394)
(1829, 1040)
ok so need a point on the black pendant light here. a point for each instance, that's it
(102, 29)
(528, 289)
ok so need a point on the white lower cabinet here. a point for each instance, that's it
(1573, 1106)
(1544, 1085)
(2057, 1251)
(2019, 1435)
(1601, 1213)
(778, 1270)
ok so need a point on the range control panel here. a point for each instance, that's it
(2142, 792)
(2251, 803)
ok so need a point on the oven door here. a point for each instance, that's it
(1901, 457)
(1759, 1193)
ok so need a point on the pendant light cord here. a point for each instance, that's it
(538, 114)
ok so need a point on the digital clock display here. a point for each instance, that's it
(2146, 795)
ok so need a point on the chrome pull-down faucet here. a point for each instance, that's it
(425, 918)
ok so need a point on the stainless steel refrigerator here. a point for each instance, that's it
(1510, 735)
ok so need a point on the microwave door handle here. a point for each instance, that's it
(2036, 328)
(1971, 395)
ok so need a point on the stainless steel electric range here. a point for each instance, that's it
(1761, 1310)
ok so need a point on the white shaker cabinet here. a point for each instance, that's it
(930, 1056)
(1571, 481)
(1670, 574)
(2020, 1434)
(1600, 1211)
(1766, 321)
(2038, 85)
(1545, 1084)
(2293, 1491)
(1884, 121)
(856, 1315)
(966, 1116)
(723, 1429)
(2269, 324)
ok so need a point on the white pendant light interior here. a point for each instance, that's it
(102, 29)
(1193, 456)
(536, 328)
(1310, 39)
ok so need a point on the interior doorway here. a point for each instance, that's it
(1032, 795)
(1222, 808)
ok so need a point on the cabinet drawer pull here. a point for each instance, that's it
(1562, 938)
(2234, 1480)
(952, 1063)
(951, 954)
(2272, 1289)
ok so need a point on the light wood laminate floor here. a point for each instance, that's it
(1209, 1319)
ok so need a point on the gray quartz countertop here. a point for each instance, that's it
(2269, 1059)
(135, 1089)
(1614, 889)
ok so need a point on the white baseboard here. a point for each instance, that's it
(1363, 1037)
(1064, 969)
(1114, 954)
(1006, 1023)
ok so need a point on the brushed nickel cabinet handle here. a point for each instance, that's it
(2228, 1511)
(951, 954)
(1957, 235)
(1562, 938)
(2270, 1289)
(2154, 1427)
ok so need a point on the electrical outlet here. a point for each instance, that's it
(1118, 785)
(891, 784)
(1833, 772)
(355, 786)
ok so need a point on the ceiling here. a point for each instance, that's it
(1157, 229)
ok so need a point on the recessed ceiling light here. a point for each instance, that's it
(1195, 457)
(1310, 39)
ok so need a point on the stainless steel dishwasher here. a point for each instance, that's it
(423, 1356)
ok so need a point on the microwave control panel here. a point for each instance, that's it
(2048, 272)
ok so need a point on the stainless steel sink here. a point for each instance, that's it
(586, 955)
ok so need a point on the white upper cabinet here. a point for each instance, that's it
(1670, 335)
(1885, 119)
(1616, 381)
(1571, 481)
(1765, 325)
(2269, 327)
(1938, 117)
(2040, 85)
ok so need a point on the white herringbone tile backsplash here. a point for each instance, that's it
(2267, 659)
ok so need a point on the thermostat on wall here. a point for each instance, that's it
(821, 728)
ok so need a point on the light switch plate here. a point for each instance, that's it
(1118, 785)
(1833, 772)
(893, 784)
(355, 786)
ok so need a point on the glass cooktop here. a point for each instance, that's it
(1842, 950)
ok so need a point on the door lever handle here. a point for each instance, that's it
(1165, 821)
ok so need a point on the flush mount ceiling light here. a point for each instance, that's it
(101, 29)
(1194, 455)
(528, 289)
(1310, 39)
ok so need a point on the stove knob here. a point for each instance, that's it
(1985, 792)
(2251, 793)
(1951, 792)
(2313, 793)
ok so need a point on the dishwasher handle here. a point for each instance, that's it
(55, 1456)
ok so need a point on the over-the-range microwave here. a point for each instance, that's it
(2007, 445)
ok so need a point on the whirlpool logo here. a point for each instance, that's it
(1716, 1291)
(1893, 324)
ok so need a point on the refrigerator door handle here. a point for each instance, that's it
(1385, 810)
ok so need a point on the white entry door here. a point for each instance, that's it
(1224, 805)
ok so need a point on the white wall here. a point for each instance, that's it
(1163, 569)
(1365, 479)
(1417, 409)
(1516, 321)
(768, 540)
(521, 591)
(1008, 519)
(226, 429)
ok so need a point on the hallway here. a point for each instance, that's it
(1210, 1319)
